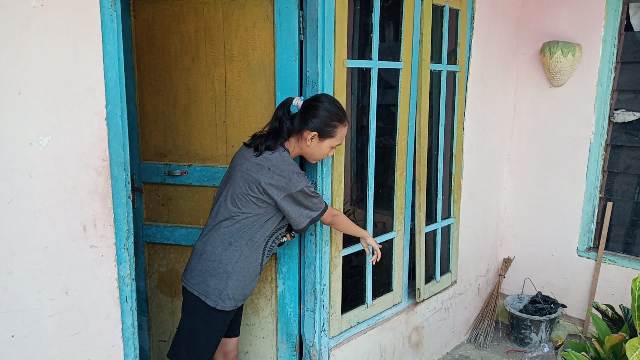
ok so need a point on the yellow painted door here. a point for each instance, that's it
(205, 82)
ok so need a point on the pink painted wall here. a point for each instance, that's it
(546, 158)
(58, 283)
(525, 157)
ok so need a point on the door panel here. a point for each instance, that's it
(205, 83)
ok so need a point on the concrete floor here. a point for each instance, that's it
(501, 349)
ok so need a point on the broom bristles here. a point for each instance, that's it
(483, 326)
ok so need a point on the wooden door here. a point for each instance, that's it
(205, 82)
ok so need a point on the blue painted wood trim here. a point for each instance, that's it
(318, 77)
(470, 11)
(156, 233)
(182, 174)
(439, 224)
(391, 312)
(373, 64)
(373, 97)
(135, 161)
(411, 144)
(441, 125)
(118, 138)
(454, 139)
(441, 67)
(380, 239)
(287, 75)
(606, 71)
(373, 92)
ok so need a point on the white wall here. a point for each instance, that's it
(431, 328)
(546, 162)
(58, 283)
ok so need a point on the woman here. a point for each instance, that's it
(263, 198)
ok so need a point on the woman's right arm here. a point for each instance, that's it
(337, 220)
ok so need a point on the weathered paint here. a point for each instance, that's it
(182, 174)
(165, 266)
(287, 75)
(317, 77)
(441, 123)
(337, 173)
(171, 234)
(192, 120)
(176, 204)
(411, 142)
(444, 67)
(422, 138)
(135, 161)
(606, 72)
(116, 105)
(380, 64)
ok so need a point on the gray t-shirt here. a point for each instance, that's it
(258, 199)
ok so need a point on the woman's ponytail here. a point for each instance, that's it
(321, 113)
(277, 130)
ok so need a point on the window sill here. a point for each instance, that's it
(612, 258)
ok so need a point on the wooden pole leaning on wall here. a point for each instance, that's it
(596, 270)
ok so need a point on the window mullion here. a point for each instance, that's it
(441, 125)
(373, 94)
(371, 175)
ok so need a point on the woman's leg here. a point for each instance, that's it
(228, 349)
(201, 329)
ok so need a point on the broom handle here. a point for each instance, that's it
(596, 270)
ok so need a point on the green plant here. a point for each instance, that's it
(616, 336)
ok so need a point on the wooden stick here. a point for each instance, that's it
(596, 270)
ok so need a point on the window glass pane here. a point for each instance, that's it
(360, 29)
(390, 29)
(437, 20)
(383, 271)
(621, 175)
(385, 161)
(622, 186)
(353, 280)
(432, 148)
(430, 256)
(356, 149)
(452, 51)
(449, 126)
(445, 250)
(412, 232)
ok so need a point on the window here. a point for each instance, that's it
(368, 181)
(620, 182)
(372, 175)
(439, 150)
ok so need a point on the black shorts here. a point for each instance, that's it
(201, 329)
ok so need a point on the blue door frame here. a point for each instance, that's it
(123, 153)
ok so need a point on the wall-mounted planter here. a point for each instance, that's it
(559, 60)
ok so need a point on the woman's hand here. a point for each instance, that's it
(369, 241)
(337, 220)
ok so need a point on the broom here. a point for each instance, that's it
(484, 324)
